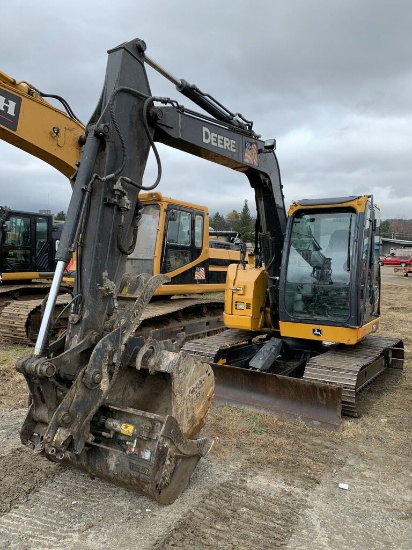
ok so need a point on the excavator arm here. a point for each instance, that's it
(99, 403)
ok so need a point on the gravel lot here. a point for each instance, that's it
(266, 484)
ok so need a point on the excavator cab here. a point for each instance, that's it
(27, 245)
(173, 238)
(170, 239)
(330, 278)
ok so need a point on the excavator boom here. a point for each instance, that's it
(32, 124)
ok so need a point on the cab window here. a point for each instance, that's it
(17, 243)
(41, 234)
(18, 231)
(198, 231)
(178, 228)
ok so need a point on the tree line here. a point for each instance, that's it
(397, 228)
(242, 222)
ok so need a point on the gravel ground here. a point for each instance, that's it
(267, 483)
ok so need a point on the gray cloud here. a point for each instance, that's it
(332, 81)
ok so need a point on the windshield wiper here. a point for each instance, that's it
(348, 266)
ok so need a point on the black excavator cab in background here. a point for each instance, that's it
(28, 243)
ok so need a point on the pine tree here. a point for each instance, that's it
(385, 228)
(232, 219)
(218, 222)
(245, 224)
(61, 216)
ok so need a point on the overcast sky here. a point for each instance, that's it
(330, 80)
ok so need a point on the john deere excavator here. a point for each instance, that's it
(127, 409)
(173, 235)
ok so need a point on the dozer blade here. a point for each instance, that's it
(313, 403)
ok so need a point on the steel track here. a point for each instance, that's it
(350, 367)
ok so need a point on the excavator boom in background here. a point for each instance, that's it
(31, 123)
(127, 409)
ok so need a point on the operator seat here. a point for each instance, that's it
(338, 241)
(337, 250)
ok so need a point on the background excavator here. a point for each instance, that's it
(173, 237)
(125, 408)
(28, 243)
(195, 262)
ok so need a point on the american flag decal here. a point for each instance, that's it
(251, 153)
(200, 274)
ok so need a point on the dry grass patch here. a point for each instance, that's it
(263, 441)
(13, 388)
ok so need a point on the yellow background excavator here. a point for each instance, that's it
(195, 261)
(127, 406)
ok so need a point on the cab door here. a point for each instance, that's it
(26, 245)
(369, 273)
(44, 244)
(17, 246)
(183, 244)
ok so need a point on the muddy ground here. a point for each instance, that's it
(266, 484)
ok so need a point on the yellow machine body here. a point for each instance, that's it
(245, 298)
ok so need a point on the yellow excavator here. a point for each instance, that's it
(173, 237)
(195, 262)
(129, 409)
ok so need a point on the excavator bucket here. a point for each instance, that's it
(146, 445)
(313, 403)
(128, 423)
